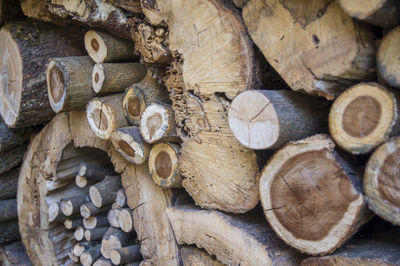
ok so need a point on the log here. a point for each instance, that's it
(363, 117)
(129, 143)
(9, 184)
(90, 256)
(10, 138)
(130, 5)
(121, 198)
(68, 83)
(193, 225)
(381, 181)
(80, 247)
(104, 47)
(381, 13)
(79, 233)
(114, 238)
(102, 262)
(387, 65)
(95, 14)
(195, 256)
(163, 165)
(95, 171)
(157, 123)
(9, 232)
(72, 205)
(140, 95)
(37, 9)
(89, 209)
(105, 192)
(125, 255)
(201, 96)
(73, 257)
(264, 119)
(54, 212)
(108, 78)
(95, 233)
(67, 174)
(8, 210)
(26, 47)
(81, 181)
(334, 207)
(105, 115)
(14, 254)
(113, 217)
(72, 224)
(95, 221)
(322, 32)
(53, 186)
(11, 158)
(125, 219)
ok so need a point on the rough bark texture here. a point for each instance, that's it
(315, 46)
(130, 5)
(9, 232)
(387, 57)
(37, 9)
(201, 95)
(26, 47)
(192, 256)
(9, 184)
(8, 210)
(11, 138)
(14, 254)
(11, 158)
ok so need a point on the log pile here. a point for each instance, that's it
(203, 132)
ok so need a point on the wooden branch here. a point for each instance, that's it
(121, 198)
(79, 233)
(319, 30)
(10, 139)
(382, 13)
(113, 217)
(26, 47)
(104, 47)
(81, 181)
(73, 224)
(363, 117)
(9, 184)
(158, 123)
(105, 115)
(53, 186)
(102, 262)
(125, 255)
(37, 9)
(105, 192)
(193, 225)
(140, 95)
(388, 67)
(14, 254)
(95, 171)
(11, 158)
(129, 143)
(67, 174)
(108, 78)
(90, 255)
(95, 221)
(89, 209)
(95, 233)
(262, 119)
(114, 238)
(196, 256)
(8, 210)
(68, 83)
(54, 212)
(125, 219)
(313, 224)
(73, 257)
(80, 247)
(9, 232)
(72, 205)
(163, 165)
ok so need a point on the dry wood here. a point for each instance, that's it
(240, 3)
(104, 47)
(125, 255)
(10, 138)
(95, 171)
(158, 123)
(113, 217)
(130, 5)
(121, 198)
(192, 256)
(25, 49)
(193, 225)
(69, 80)
(105, 115)
(53, 186)
(90, 256)
(102, 262)
(387, 57)
(37, 9)
(89, 209)
(72, 205)
(105, 192)
(125, 219)
(95, 221)
(95, 233)
(54, 212)
(140, 95)
(108, 78)
(263, 119)
(72, 224)
(8, 210)
(73, 257)
(201, 95)
(382, 181)
(9, 184)
(334, 207)
(129, 143)
(79, 233)
(81, 181)
(80, 247)
(163, 165)
(12, 158)
(9, 232)
(363, 117)
(114, 238)
(14, 254)
(305, 44)
(382, 13)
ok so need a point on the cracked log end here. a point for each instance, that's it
(98, 77)
(311, 196)
(100, 118)
(363, 117)
(156, 122)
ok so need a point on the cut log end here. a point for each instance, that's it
(98, 77)
(95, 46)
(79, 233)
(155, 122)
(130, 144)
(362, 117)
(55, 85)
(126, 220)
(67, 207)
(163, 165)
(134, 105)
(81, 181)
(54, 211)
(95, 196)
(100, 119)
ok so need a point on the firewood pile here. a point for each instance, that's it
(201, 132)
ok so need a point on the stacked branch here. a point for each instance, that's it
(387, 57)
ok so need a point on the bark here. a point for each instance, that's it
(72, 224)
(9, 138)
(11, 158)
(9, 232)
(8, 210)
(195, 256)
(90, 256)
(9, 184)
(95, 171)
(105, 192)
(388, 67)
(37, 9)
(125, 219)
(95, 221)
(80, 247)
(125, 255)
(95, 233)
(14, 254)
(114, 238)
(102, 262)
(130, 5)
(89, 209)
(72, 205)
(26, 47)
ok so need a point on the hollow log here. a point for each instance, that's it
(95, 171)
(334, 207)
(105, 115)
(102, 262)
(10, 138)
(140, 95)
(72, 224)
(14, 254)
(69, 80)
(192, 256)
(113, 217)
(108, 78)
(9, 232)
(25, 49)
(104, 47)
(121, 198)
(263, 119)
(364, 116)
(79, 233)
(193, 225)
(201, 96)
(381, 13)
(125, 219)
(95, 221)
(125, 255)
(323, 31)
(129, 143)
(105, 192)
(95, 233)
(381, 181)
(8, 210)
(90, 255)
(9, 184)
(114, 238)
(72, 205)
(163, 165)
(388, 66)
(89, 209)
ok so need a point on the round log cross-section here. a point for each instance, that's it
(311, 196)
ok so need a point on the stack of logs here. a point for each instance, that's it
(224, 103)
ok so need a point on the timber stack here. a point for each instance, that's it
(202, 132)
